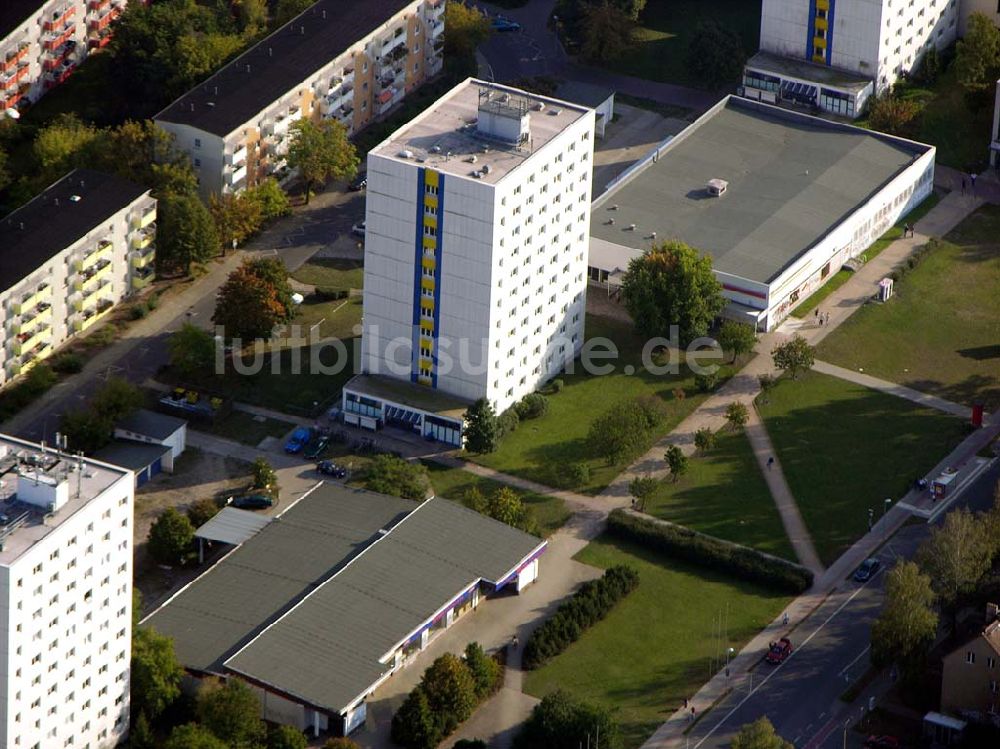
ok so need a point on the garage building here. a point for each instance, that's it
(778, 199)
(320, 606)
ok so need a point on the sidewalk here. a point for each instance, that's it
(900, 391)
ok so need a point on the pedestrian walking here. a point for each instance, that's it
(770, 462)
(692, 713)
(816, 312)
(784, 619)
(685, 703)
(963, 185)
(972, 180)
(827, 318)
(821, 319)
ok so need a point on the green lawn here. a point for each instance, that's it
(665, 28)
(306, 393)
(339, 317)
(841, 276)
(724, 495)
(845, 448)
(656, 647)
(940, 333)
(452, 483)
(331, 273)
(558, 437)
(247, 428)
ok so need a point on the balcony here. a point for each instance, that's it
(102, 251)
(239, 156)
(141, 278)
(148, 219)
(98, 5)
(14, 57)
(87, 282)
(31, 319)
(32, 357)
(24, 342)
(434, 9)
(59, 18)
(437, 29)
(53, 41)
(348, 76)
(281, 124)
(238, 175)
(397, 41)
(143, 238)
(89, 316)
(34, 298)
(143, 259)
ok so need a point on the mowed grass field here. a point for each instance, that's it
(665, 29)
(723, 494)
(452, 483)
(541, 445)
(940, 333)
(845, 449)
(657, 646)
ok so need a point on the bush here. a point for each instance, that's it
(532, 406)
(560, 721)
(137, 311)
(328, 294)
(400, 478)
(413, 725)
(469, 744)
(591, 603)
(487, 675)
(170, 537)
(683, 543)
(201, 511)
(557, 385)
(18, 396)
(706, 383)
(508, 421)
(68, 363)
(569, 475)
(624, 430)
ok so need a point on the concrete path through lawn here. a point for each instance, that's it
(900, 391)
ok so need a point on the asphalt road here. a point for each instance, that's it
(801, 697)
(294, 239)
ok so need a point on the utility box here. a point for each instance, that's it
(940, 485)
(884, 289)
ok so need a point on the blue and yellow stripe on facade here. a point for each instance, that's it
(427, 308)
(819, 45)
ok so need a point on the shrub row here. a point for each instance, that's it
(327, 294)
(914, 259)
(683, 543)
(591, 603)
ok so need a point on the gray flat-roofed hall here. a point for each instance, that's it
(802, 196)
(330, 598)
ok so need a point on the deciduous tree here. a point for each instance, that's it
(414, 725)
(232, 713)
(253, 300)
(793, 355)
(485, 671)
(63, 145)
(288, 9)
(906, 626)
(271, 199)
(669, 285)
(890, 113)
(704, 440)
(737, 415)
(156, 673)
(506, 506)
(450, 690)
(320, 151)
(388, 474)
(263, 475)
(736, 338)
(186, 234)
(84, 430)
(642, 488)
(288, 737)
(482, 433)
(201, 511)
(677, 462)
(956, 556)
(715, 54)
(237, 217)
(560, 721)
(466, 28)
(977, 54)
(619, 433)
(170, 537)
(607, 32)
(194, 736)
(759, 735)
(192, 350)
(116, 398)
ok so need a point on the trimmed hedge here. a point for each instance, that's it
(591, 603)
(327, 294)
(683, 543)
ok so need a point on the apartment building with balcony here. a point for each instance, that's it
(834, 54)
(349, 61)
(477, 225)
(65, 599)
(68, 257)
(43, 41)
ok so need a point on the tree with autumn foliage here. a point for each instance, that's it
(255, 298)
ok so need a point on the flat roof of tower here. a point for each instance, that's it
(791, 180)
(22, 525)
(445, 136)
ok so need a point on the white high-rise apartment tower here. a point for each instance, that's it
(65, 599)
(834, 54)
(476, 243)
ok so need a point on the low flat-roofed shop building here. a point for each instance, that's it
(320, 606)
(803, 195)
(374, 401)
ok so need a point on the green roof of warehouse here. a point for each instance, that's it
(792, 179)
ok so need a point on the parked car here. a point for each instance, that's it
(251, 502)
(882, 742)
(299, 439)
(316, 448)
(358, 229)
(329, 468)
(867, 570)
(779, 651)
(358, 183)
(501, 23)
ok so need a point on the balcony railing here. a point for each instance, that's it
(102, 251)
(436, 29)
(33, 318)
(87, 280)
(238, 175)
(34, 298)
(143, 259)
(28, 341)
(141, 278)
(148, 219)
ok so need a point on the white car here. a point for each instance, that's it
(358, 229)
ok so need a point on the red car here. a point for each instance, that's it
(882, 742)
(779, 651)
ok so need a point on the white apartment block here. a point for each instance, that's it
(65, 599)
(69, 256)
(834, 54)
(989, 8)
(43, 41)
(352, 62)
(477, 222)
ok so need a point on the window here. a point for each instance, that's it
(991, 663)
(970, 657)
(197, 142)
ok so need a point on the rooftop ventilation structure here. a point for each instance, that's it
(503, 116)
(717, 187)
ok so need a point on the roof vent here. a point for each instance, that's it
(486, 149)
(435, 149)
(487, 169)
(717, 187)
(555, 111)
(631, 227)
(540, 106)
(652, 235)
(614, 207)
(406, 154)
(611, 222)
(472, 159)
(74, 198)
(211, 104)
(477, 175)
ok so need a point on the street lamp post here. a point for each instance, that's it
(847, 724)
(885, 523)
(871, 518)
